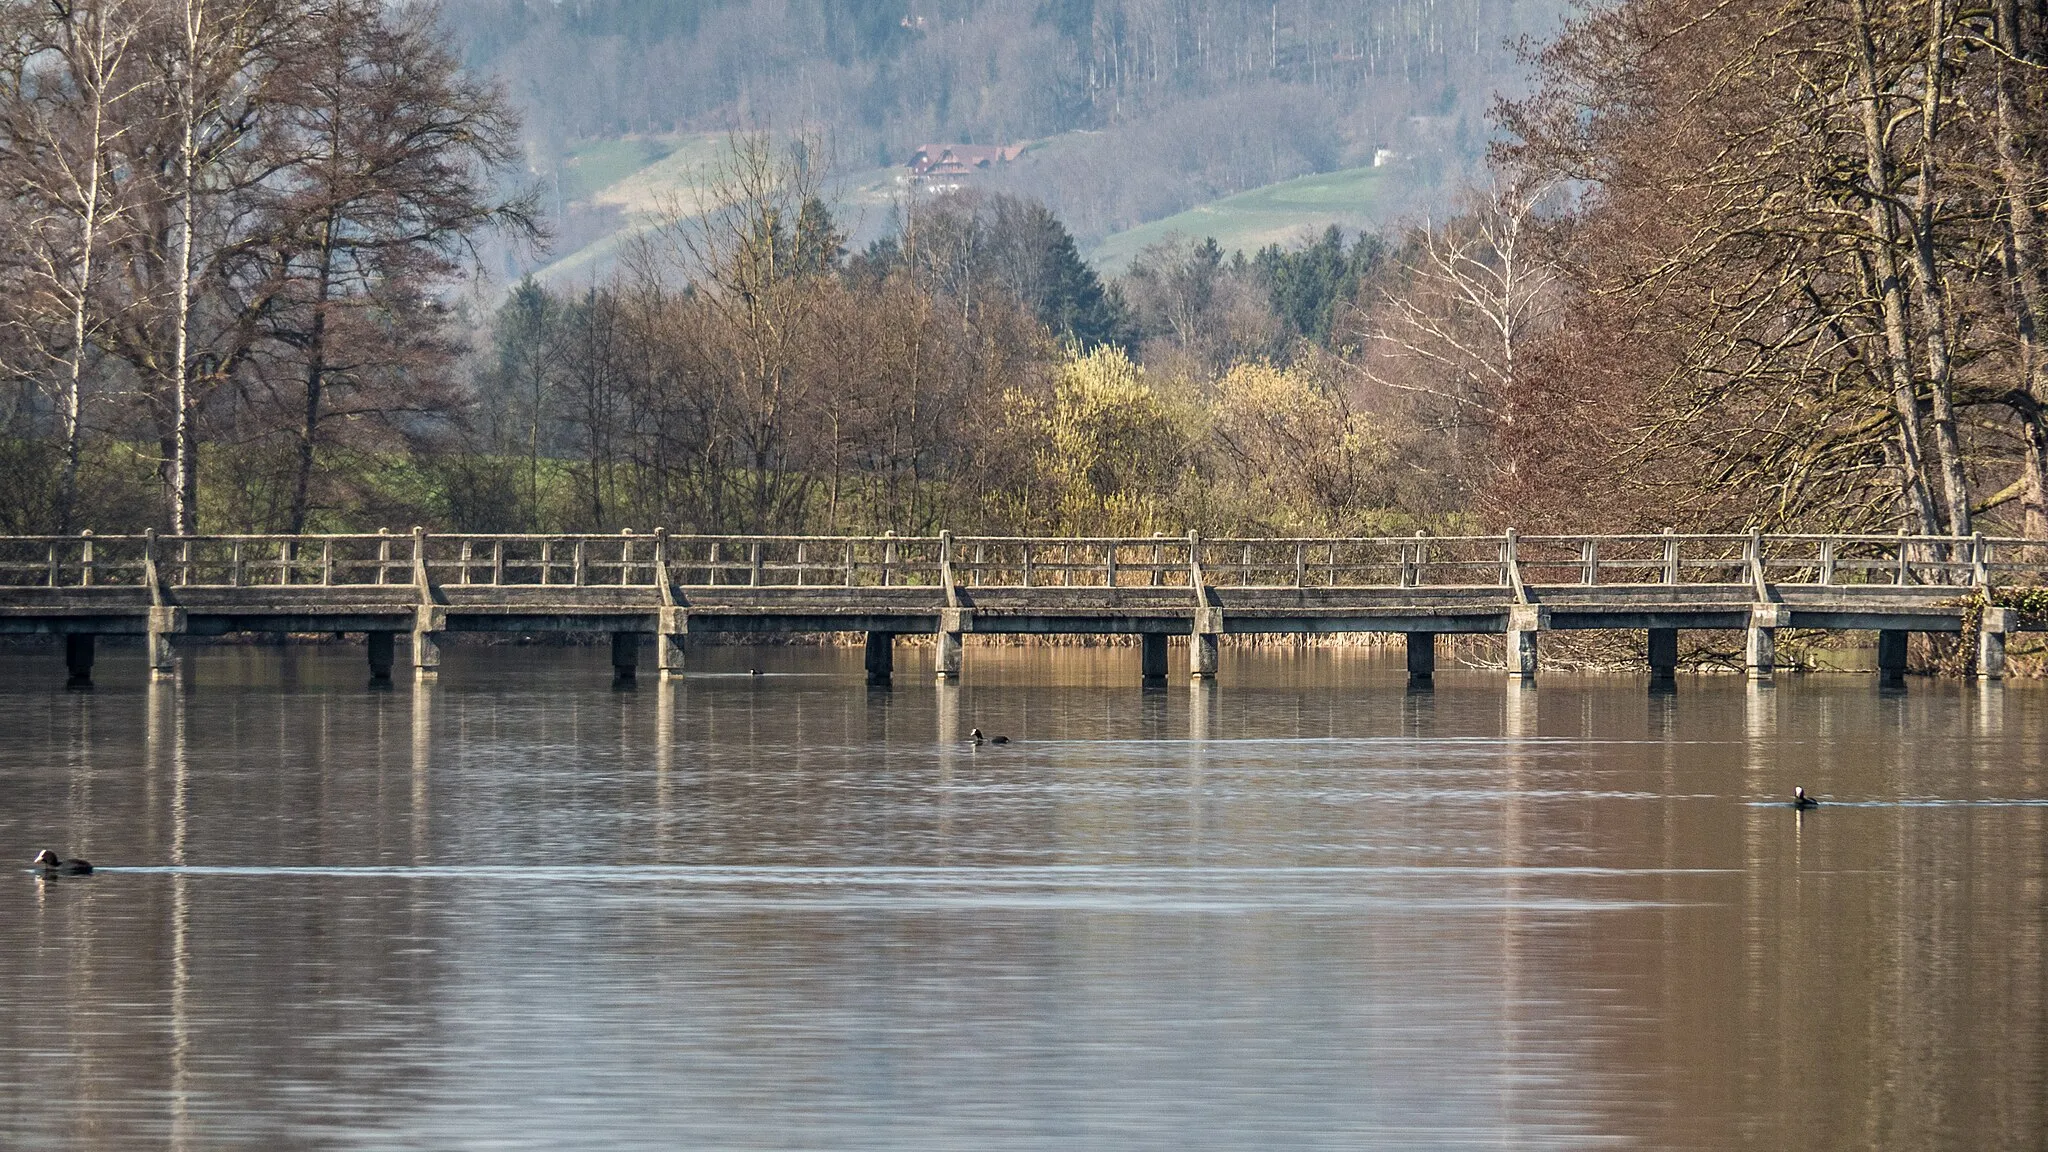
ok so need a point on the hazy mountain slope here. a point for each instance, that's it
(1150, 107)
(1355, 199)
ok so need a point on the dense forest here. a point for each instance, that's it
(1774, 264)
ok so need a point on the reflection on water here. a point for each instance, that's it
(1302, 907)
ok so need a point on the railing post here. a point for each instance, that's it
(1905, 561)
(497, 562)
(626, 556)
(1109, 569)
(326, 562)
(754, 564)
(239, 573)
(1827, 563)
(1027, 563)
(85, 559)
(287, 559)
(1670, 556)
(1980, 560)
(468, 558)
(579, 572)
(1589, 562)
(152, 577)
(52, 579)
(421, 579)
(383, 553)
(547, 560)
(1421, 556)
(849, 563)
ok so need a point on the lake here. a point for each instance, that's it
(1302, 907)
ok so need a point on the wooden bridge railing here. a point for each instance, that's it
(633, 559)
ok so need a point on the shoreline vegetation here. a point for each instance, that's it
(1725, 272)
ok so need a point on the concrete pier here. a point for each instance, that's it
(1421, 658)
(382, 648)
(78, 653)
(1152, 657)
(625, 657)
(1891, 657)
(1760, 654)
(1525, 623)
(1663, 658)
(949, 656)
(1992, 628)
(881, 657)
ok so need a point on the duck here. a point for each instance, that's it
(1801, 800)
(977, 739)
(53, 864)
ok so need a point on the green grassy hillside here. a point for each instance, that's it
(1352, 198)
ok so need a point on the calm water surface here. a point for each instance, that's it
(1300, 909)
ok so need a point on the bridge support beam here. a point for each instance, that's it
(1663, 658)
(78, 659)
(1152, 657)
(382, 647)
(164, 623)
(949, 658)
(1991, 632)
(1205, 642)
(426, 641)
(668, 641)
(1421, 658)
(881, 657)
(1525, 623)
(1891, 658)
(625, 657)
(1760, 654)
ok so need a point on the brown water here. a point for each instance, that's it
(1301, 909)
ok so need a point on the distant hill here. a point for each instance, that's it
(1141, 109)
(1355, 199)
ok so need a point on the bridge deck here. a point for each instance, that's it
(672, 586)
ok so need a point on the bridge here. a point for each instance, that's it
(634, 585)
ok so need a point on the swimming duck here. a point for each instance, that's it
(978, 739)
(51, 863)
(1801, 800)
